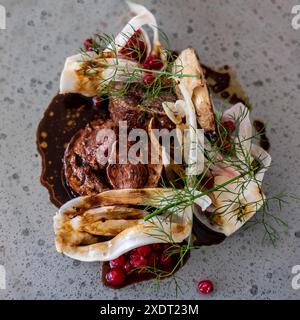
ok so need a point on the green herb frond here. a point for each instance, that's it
(104, 46)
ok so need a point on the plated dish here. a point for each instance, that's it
(141, 159)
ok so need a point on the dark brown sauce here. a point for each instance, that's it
(205, 236)
(223, 83)
(260, 128)
(65, 115)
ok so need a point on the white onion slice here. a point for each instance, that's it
(73, 79)
(241, 113)
(175, 111)
(188, 63)
(264, 157)
(251, 198)
(193, 145)
(143, 17)
(82, 211)
(146, 39)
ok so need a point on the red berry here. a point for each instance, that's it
(152, 259)
(148, 78)
(165, 260)
(229, 124)
(205, 286)
(156, 246)
(88, 44)
(208, 182)
(118, 262)
(138, 261)
(115, 277)
(152, 62)
(144, 251)
(127, 267)
(97, 101)
(135, 47)
(227, 143)
(133, 251)
(166, 246)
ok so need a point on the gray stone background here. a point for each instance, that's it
(254, 37)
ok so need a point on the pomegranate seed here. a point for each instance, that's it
(148, 78)
(97, 101)
(165, 260)
(227, 143)
(88, 44)
(166, 246)
(144, 251)
(208, 182)
(230, 125)
(138, 261)
(156, 246)
(127, 267)
(115, 277)
(135, 47)
(152, 62)
(118, 262)
(133, 251)
(205, 286)
(152, 259)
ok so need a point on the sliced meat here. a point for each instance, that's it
(155, 104)
(122, 176)
(83, 172)
(127, 108)
(127, 176)
(135, 89)
(154, 175)
(82, 179)
(136, 110)
(90, 141)
(154, 107)
(87, 173)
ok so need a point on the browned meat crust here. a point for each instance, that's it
(124, 176)
(137, 111)
(127, 108)
(82, 169)
(86, 174)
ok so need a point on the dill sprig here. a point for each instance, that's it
(179, 199)
(105, 47)
(185, 197)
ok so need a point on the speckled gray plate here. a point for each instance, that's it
(254, 37)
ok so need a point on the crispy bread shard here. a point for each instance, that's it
(188, 63)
